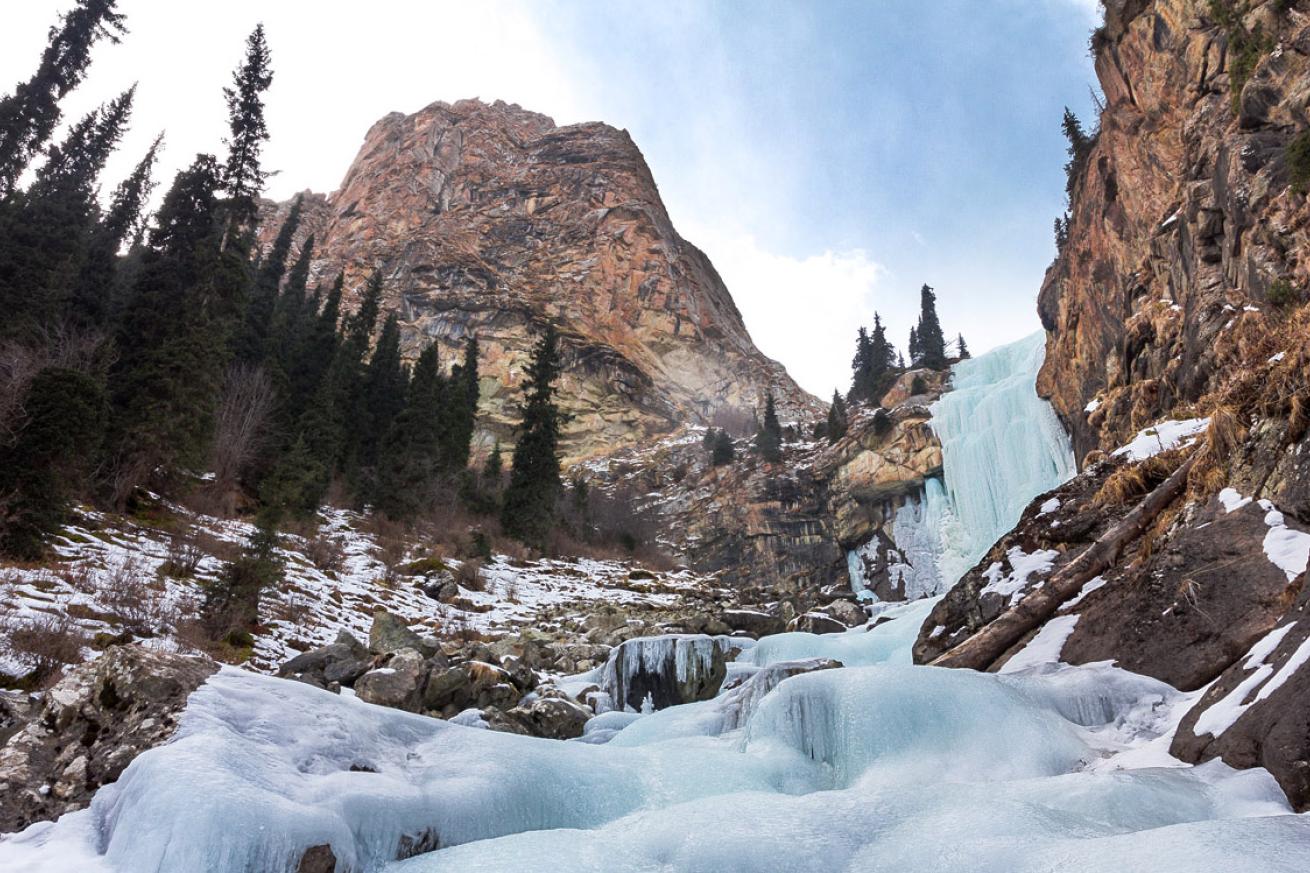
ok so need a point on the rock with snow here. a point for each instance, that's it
(846, 612)
(90, 726)
(341, 662)
(552, 716)
(753, 622)
(816, 623)
(389, 633)
(399, 684)
(670, 670)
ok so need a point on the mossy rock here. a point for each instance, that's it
(425, 567)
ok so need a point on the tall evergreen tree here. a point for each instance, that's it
(1080, 146)
(529, 508)
(31, 113)
(961, 349)
(916, 353)
(252, 336)
(384, 393)
(460, 410)
(768, 440)
(837, 420)
(243, 176)
(931, 342)
(411, 454)
(231, 606)
(724, 451)
(861, 367)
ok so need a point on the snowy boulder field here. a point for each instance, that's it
(875, 766)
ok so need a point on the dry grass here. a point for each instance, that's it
(47, 643)
(1133, 481)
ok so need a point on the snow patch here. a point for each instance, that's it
(1161, 437)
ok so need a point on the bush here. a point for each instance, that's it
(1283, 294)
(45, 644)
(1298, 162)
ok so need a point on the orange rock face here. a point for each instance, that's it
(490, 220)
(1183, 217)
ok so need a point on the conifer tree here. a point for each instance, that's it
(494, 468)
(231, 606)
(44, 465)
(725, 452)
(252, 337)
(1080, 146)
(384, 392)
(861, 367)
(916, 353)
(961, 349)
(461, 409)
(837, 421)
(31, 113)
(243, 177)
(411, 454)
(768, 440)
(931, 343)
(529, 508)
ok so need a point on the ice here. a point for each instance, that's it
(882, 767)
(650, 666)
(1002, 445)
(1161, 437)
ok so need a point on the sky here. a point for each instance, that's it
(830, 157)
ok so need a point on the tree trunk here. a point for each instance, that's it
(983, 648)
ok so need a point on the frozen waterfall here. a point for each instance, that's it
(1002, 445)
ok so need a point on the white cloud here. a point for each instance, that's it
(804, 311)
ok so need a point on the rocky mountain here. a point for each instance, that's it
(1177, 330)
(490, 220)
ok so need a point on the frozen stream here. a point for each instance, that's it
(880, 766)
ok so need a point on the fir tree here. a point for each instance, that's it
(31, 113)
(231, 606)
(384, 392)
(768, 440)
(725, 452)
(915, 352)
(45, 464)
(294, 486)
(961, 349)
(837, 421)
(494, 468)
(243, 177)
(1080, 146)
(930, 341)
(252, 337)
(529, 506)
(861, 367)
(461, 409)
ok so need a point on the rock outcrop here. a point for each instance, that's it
(1184, 228)
(89, 727)
(490, 220)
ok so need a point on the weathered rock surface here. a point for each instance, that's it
(667, 670)
(398, 684)
(491, 220)
(89, 727)
(1182, 218)
(340, 662)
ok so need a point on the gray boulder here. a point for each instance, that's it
(846, 612)
(753, 622)
(398, 684)
(342, 662)
(817, 623)
(390, 634)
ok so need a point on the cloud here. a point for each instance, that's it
(803, 311)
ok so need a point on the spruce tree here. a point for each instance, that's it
(411, 454)
(31, 113)
(916, 353)
(768, 440)
(529, 508)
(961, 349)
(837, 421)
(384, 392)
(1080, 146)
(243, 177)
(46, 463)
(861, 367)
(231, 605)
(494, 468)
(931, 343)
(461, 410)
(252, 338)
(725, 452)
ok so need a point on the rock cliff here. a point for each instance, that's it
(490, 220)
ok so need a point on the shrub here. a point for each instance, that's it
(45, 644)
(1298, 161)
(1283, 294)
(469, 576)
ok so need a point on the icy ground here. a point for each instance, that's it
(882, 766)
(108, 578)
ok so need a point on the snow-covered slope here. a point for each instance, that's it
(885, 767)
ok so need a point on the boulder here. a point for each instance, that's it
(553, 717)
(90, 726)
(447, 689)
(342, 662)
(390, 634)
(670, 669)
(846, 612)
(755, 623)
(817, 623)
(398, 684)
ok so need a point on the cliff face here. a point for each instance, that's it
(1183, 218)
(490, 220)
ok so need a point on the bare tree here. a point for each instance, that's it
(242, 425)
(22, 360)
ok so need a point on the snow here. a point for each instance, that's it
(1045, 647)
(1232, 500)
(1090, 586)
(880, 767)
(1092, 406)
(1221, 715)
(1049, 506)
(1022, 566)
(1161, 437)
(1278, 357)
(1287, 549)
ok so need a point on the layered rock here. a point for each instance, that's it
(1182, 218)
(490, 220)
